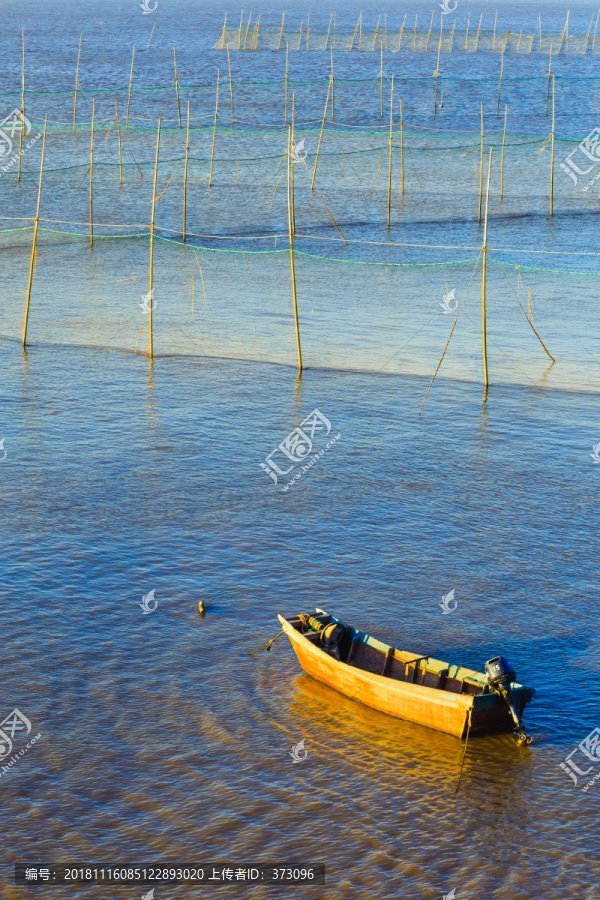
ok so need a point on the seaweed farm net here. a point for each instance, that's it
(454, 97)
(353, 315)
(435, 179)
(385, 203)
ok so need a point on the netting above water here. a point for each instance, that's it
(435, 180)
(402, 39)
(450, 100)
(385, 318)
(385, 222)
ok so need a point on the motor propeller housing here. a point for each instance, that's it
(501, 675)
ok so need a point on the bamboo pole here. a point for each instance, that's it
(202, 280)
(328, 211)
(129, 92)
(334, 26)
(549, 77)
(540, 29)
(467, 31)
(478, 33)
(415, 34)
(300, 35)
(292, 170)
(247, 30)
(381, 85)
(332, 90)
(519, 41)
(285, 83)
(239, 32)
(214, 137)
(92, 176)
(354, 35)
(360, 31)
(437, 65)
(151, 261)
(502, 154)
(22, 109)
(429, 33)
(76, 83)
(376, 34)
(452, 36)
(532, 326)
(281, 31)
(328, 30)
(257, 33)
(389, 209)
(401, 33)
(185, 171)
(402, 147)
(565, 31)
(530, 310)
(34, 241)
(307, 29)
(177, 83)
(587, 37)
(291, 242)
(314, 175)
(494, 34)
(500, 80)
(230, 85)
(552, 156)
(440, 363)
(480, 169)
(151, 35)
(484, 278)
(119, 143)
(222, 47)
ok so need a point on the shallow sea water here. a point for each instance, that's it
(161, 738)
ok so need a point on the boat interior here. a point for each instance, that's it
(355, 648)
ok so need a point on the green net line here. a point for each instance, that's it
(321, 257)
(328, 155)
(330, 129)
(499, 262)
(493, 131)
(224, 84)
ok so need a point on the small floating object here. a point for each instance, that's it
(201, 609)
(419, 689)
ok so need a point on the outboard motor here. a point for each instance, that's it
(330, 633)
(501, 675)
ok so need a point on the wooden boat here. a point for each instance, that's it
(419, 689)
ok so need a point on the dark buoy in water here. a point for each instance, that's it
(501, 675)
(201, 609)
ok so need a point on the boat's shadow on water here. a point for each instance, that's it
(357, 736)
